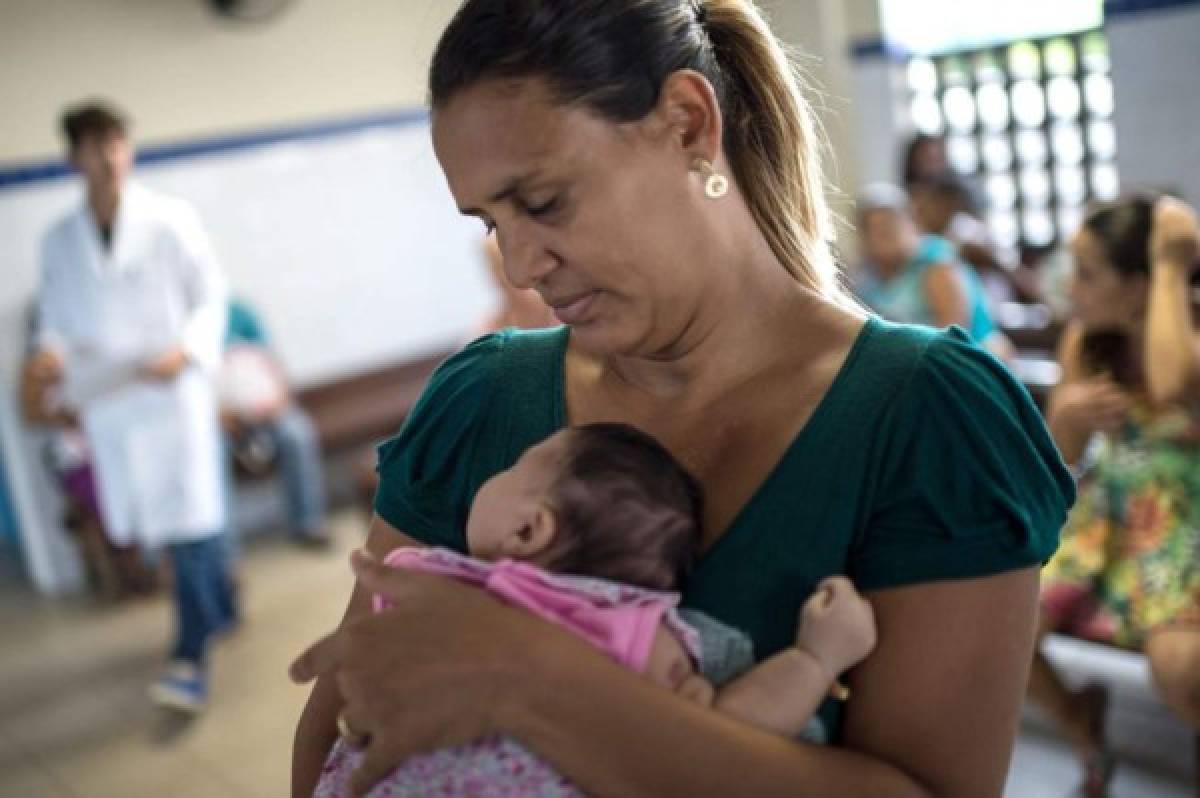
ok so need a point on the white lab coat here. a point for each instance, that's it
(155, 445)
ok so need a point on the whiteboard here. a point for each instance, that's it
(347, 243)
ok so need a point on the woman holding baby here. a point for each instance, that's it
(651, 168)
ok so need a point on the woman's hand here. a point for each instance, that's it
(430, 672)
(1087, 406)
(1175, 240)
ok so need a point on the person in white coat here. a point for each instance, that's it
(132, 300)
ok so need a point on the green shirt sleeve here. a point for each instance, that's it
(970, 482)
(429, 472)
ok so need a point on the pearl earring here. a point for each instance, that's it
(716, 185)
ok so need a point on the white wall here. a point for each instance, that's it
(300, 254)
(820, 32)
(1155, 68)
(182, 72)
(348, 245)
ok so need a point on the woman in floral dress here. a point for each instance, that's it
(1126, 416)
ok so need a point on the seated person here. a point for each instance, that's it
(1127, 416)
(589, 530)
(264, 424)
(114, 571)
(943, 205)
(918, 278)
(514, 307)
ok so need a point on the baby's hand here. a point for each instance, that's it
(837, 625)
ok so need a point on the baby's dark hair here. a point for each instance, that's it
(627, 510)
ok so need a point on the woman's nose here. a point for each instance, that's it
(526, 259)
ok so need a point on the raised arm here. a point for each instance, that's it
(1172, 356)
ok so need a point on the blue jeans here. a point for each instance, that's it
(300, 466)
(204, 602)
(298, 458)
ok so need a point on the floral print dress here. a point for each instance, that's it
(1129, 560)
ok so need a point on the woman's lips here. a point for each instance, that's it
(573, 311)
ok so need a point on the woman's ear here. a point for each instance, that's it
(689, 105)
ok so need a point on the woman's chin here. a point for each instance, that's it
(599, 338)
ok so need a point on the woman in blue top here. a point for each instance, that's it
(918, 278)
(650, 167)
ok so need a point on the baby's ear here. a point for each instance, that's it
(536, 536)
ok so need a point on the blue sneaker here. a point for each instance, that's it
(182, 687)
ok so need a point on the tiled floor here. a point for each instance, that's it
(74, 720)
(1042, 768)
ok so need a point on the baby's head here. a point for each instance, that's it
(600, 500)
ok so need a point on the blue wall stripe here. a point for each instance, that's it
(1117, 8)
(876, 47)
(24, 173)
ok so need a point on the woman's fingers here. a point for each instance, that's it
(392, 584)
(376, 763)
(351, 727)
(320, 658)
(389, 749)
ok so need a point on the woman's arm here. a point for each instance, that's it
(40, 374)
(941, 696)
(946, 295)
(1171, 356)
(1081, 405)
(317, 730)
(948, 676)
(934, 710)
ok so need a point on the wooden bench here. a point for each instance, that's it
(364, 408)
(1140, 728)
(352, 414)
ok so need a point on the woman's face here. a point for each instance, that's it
(1101, 297)
(929, 158)
(889, 238)
(593, 215)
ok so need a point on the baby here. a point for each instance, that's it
(595, 529)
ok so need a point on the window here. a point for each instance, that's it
(1030, 123)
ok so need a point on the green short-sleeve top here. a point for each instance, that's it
(924, 461)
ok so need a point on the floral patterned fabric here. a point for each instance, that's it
(1129, 560)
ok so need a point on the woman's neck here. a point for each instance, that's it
(756, 315)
